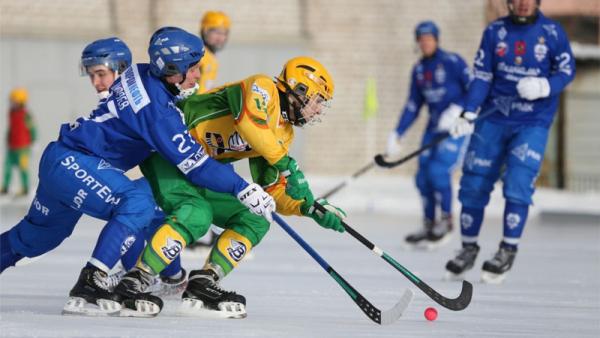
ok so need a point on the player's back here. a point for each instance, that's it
(117, 129)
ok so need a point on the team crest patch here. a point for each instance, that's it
(172, 249)
(540, 50)
(501, 49)
(513, 220)
(236, 250)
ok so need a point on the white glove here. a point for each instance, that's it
(393, 144)
(258, 201)
(533, 88)
(448, 117)
(464, 125)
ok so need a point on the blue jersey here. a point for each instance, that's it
(509, 52)
(139, 117)
(438, 81)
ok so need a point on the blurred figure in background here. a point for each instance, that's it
(440, 80)
(214, 30)
(21, 135)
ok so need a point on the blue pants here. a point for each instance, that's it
(433, 178)
(72, 183)
(519, 151)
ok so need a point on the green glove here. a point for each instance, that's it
(332, 219)
(297, 185)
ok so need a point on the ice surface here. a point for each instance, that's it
(553, 290)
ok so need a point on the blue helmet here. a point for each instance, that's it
(111, 52)
(173, 51)
(427, 27)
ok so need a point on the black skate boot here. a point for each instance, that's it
(463, 262)
(91, 295)
(439, 234)
(166, 286)
(133, 293)
(416, 239)
(203, 296)
(494, 270)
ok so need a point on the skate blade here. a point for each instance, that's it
(430, 246)
(453, 277)
(143, 309)
(492, 278)
(77, 306)
(227, 310)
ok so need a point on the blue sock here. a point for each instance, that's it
(114, 240)
(470, 224)
(515, 217)
(8, 258)
(173, 268)
(428, 200)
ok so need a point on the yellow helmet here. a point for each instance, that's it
(214, 19)
(310, 83)
(19, 95)
(306, 76)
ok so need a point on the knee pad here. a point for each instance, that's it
(136, 210)
(422, 181)
(519, 185)
(439, 176)
(192, 218)
(475, 190)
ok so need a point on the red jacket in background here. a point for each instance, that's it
(20, 129)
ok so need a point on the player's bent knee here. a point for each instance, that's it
(195, 217)
(475, 190)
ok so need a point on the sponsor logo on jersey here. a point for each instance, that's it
(513, 220)
(236, 250)
(44, 210)
(502, 33)
(134, 89)
(193, 161)
(466, 221)
(434, 95)
(519, 70)
(520, 47)
(103, 165)
(523, 152)
(440, 74)
(525, 107)
(540, 50)
(127, 243)
(551, 30)
(237, 143)
(501, 49)
(262, 92)
(472, 161)
(172, 249)
(101, 190)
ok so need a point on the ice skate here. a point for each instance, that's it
(91, 295)
(439, 234)
(463, 262)
(136, 300)
(494, 270)
(168, 286)
(203, 297)
(417, 239)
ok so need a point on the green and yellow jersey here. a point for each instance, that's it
(243, 120)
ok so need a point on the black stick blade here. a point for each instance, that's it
(380, 161)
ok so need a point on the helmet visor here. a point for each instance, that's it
(313, 109)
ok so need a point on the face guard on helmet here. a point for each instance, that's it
(519, 19)
(112, 53)
(309, 88)
(174, 51)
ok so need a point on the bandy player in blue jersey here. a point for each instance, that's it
(440, 81)
(523, 64)
(83, 171)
